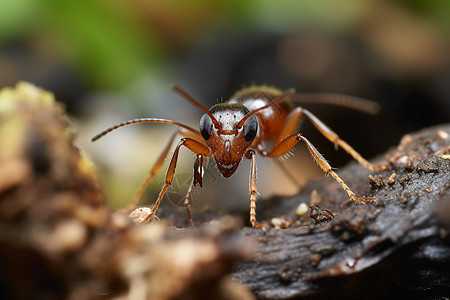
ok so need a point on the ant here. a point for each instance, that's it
(229, 131)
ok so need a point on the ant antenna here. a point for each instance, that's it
(157, 120)
(194, 102)
(142, 120)
(286, 94)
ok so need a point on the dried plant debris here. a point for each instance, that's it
(398, 249)
(58, 240)
(320, 215)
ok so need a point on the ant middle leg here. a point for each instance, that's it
(291, 125)
(289, 142)
(154, 170)
(193, 145)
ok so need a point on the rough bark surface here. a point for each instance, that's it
(400, 248)
(58, 239)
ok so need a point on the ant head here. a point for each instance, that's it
(228, 129)
(228, 117)
(228, 140)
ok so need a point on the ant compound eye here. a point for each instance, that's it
(250, 128)
(206, 126)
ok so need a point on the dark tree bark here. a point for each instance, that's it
(398, 249)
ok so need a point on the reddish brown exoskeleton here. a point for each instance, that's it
(229, 131)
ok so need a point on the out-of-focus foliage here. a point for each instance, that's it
(436, 11)
(102, 40)
(16, 17)
(113, 43)
(106, 41)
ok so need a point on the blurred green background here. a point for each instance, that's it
(109, 61)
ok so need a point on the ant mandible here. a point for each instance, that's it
(229, 131)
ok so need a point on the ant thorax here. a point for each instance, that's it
(270, 119)
(254, 104)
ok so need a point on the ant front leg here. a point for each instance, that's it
(250, 154)
(289, 142)
(193, 145)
